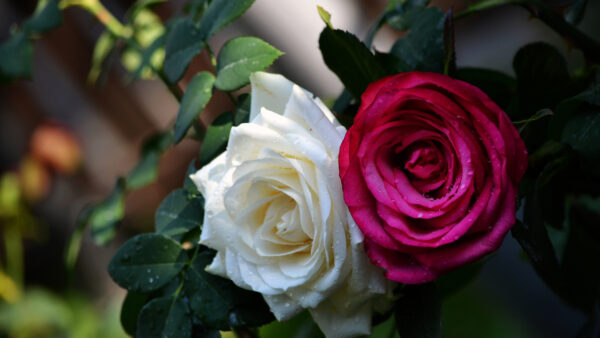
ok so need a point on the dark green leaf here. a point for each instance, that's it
(300, 326)
(350, 60)
(423, 47)
(592, 327)
(538, 115)
(178, 214)
(242, 113)
(544, 204)
(500, 87)
(542, 78)
(575, 13)
(72, 251)
(400, 14)
(130, 311)
(418, 312)
(165, 317)
(449, 44)
(47, 16)
(184, 42)
(197, 95)
(582, 132)
(148, 54)
(220, 13)
(569, 107)
(146, 262)
(391, 63)
(218, 302)
(215, 140)
(581, 278)
(241, 56)
(16, 58)
(202, 332)
(106, 216)
(188, 184)
(146, 171)
(454, 281)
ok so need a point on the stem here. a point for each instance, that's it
(115, 27)
(589, 47)
(173, 87)
(14, 254)
(213, 60)
(231, 98)
(97, 9)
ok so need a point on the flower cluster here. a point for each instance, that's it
(427, 181)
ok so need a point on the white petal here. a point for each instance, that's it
(282, 306)
(270, 91)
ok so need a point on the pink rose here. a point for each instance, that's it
(430, 171)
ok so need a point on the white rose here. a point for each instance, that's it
(276, 216)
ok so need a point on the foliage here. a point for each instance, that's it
(169, 292)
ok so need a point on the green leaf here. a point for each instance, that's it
(165, 317)
(391, 63)
(146, 171)
(106, 216)
(500, 87)
(220, 13)
(188, 184)
(300, 326)
(582, 132)
(454, 281)
(423, 48)
(449, 44)
(104, 45)
(350, 60)
(215, 140)
(184, 42)
(418, 312)
(242, 113)
(197, 95)
(544, 204)
(16, 58)
(147, 262)
(580, 279)
(178, 214)
(543, 79)
(569, 107)
(325, 16)
(141, 5)
(538, 115)
(401, 13)
(130, 311)
(147, 28)
(241, 56)
(217, 302)
(149, 55)
(47, 16)
(575, 13)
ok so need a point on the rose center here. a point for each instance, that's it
(423, 161)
